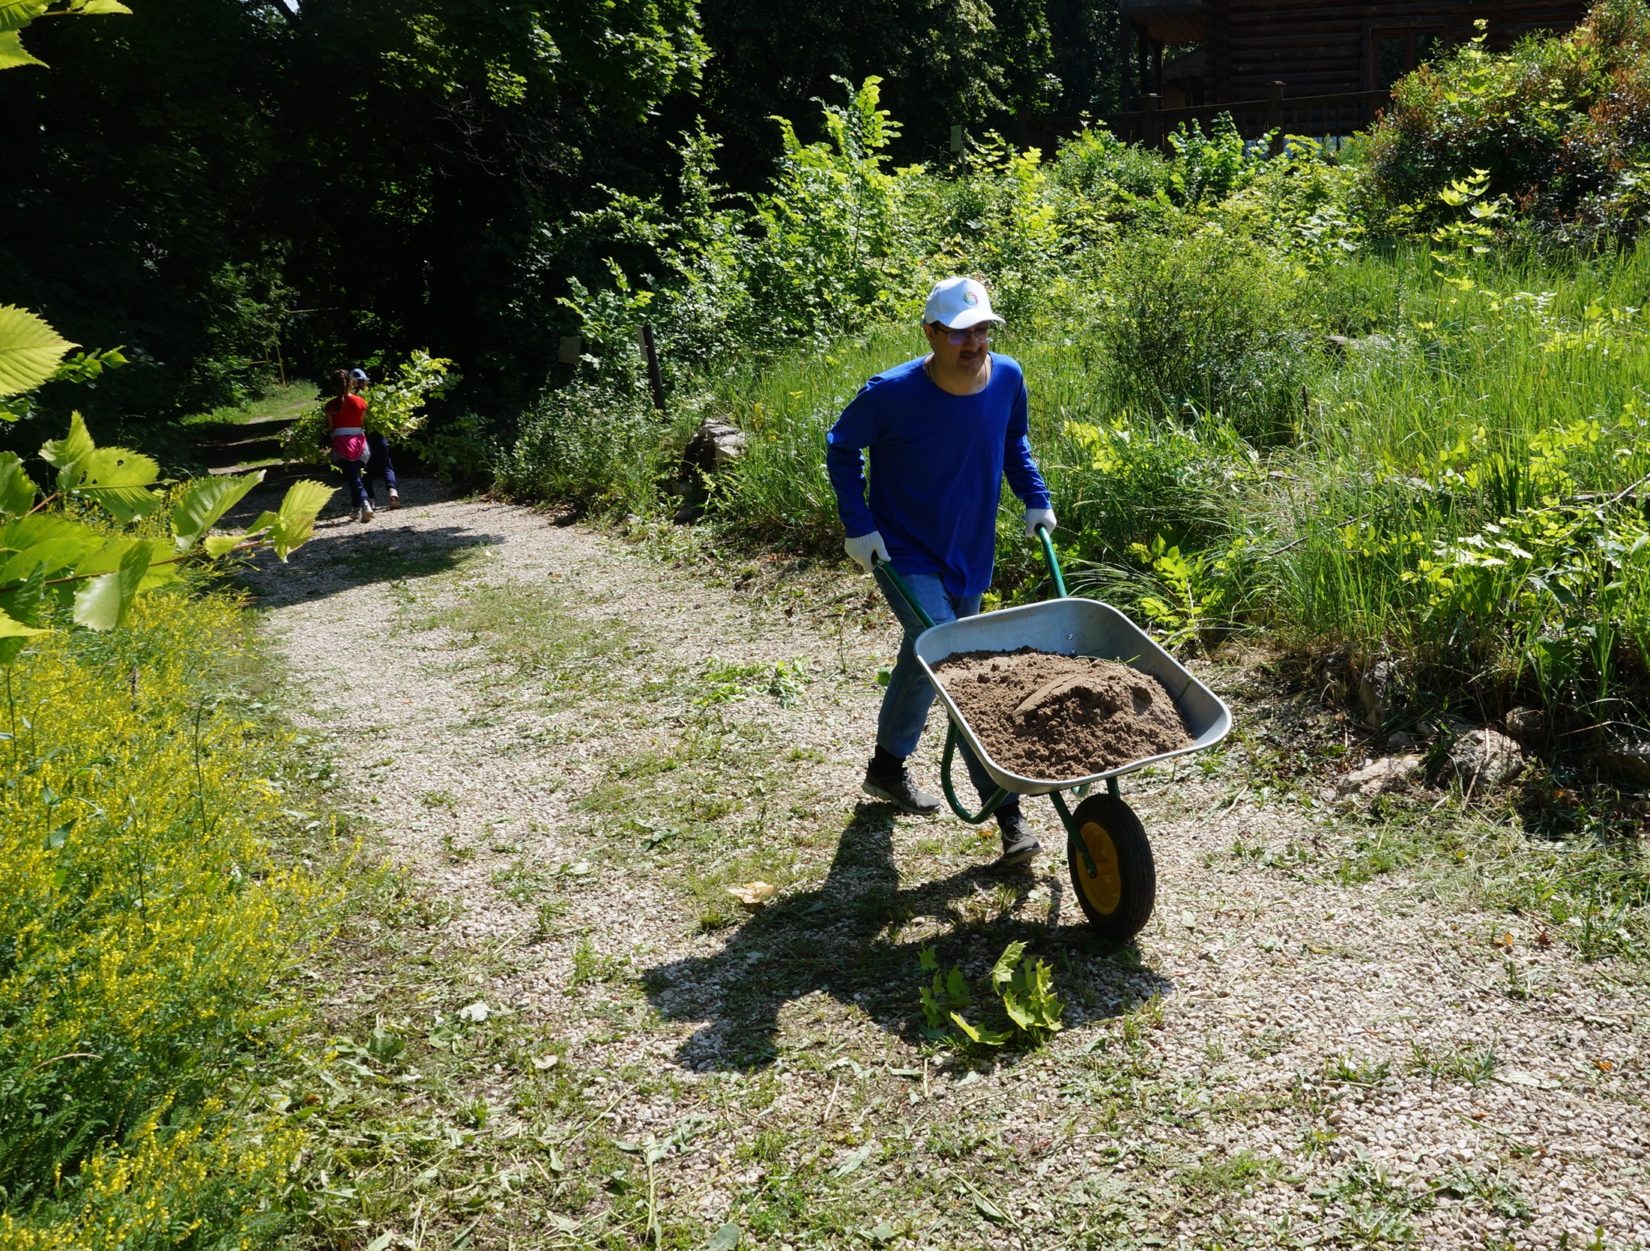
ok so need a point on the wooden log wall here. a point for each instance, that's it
(1323, 48)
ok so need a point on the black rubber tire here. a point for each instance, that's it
(1118, 902)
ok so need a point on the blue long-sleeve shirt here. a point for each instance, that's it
(936, 469)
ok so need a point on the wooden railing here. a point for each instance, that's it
(1339, 113)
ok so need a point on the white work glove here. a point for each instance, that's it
(1039, 517)
(861, 549)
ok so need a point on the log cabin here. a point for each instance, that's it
(1320, 69)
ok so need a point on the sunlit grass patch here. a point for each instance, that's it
(534, 631)
(147, 922)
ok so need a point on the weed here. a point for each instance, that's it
(1025, 992)
(1214, 1177)
(591, 966)
(1348, 1070)
(1473, 1065)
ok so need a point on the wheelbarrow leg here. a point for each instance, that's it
(997, 799)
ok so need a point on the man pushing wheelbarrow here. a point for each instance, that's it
(943, 431)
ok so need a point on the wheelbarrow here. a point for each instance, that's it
(1107, 852)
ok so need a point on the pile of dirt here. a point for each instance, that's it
(1052, 717)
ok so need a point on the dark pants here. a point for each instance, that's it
(378, 464)
(906, 701)
(354, 470)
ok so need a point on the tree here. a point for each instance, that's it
(136, 208)
(56, 557)
(942, 62)
(454, 137)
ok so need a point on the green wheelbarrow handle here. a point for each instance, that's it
(1001, 796)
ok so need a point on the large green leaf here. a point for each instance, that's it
(69, 454)
(16, 14)
(29, 348)
(120, 467)
(46, 558)
(24, 532)
(23, 600)
(17, 489)
(122, 503)
(295, 519)
(88, 8)
(109, 554)
(13, 53)
(163, 565)
(205, 501)
(102, 604)
(265, 520)
(11, 628)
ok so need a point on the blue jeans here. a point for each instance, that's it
(378, 464)
(909, 695)
(353, 471)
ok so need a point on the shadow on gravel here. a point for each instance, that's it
(344, 554)
(840, 939)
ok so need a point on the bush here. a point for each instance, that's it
(144, 924)
(1203, 325)
(597, 448)
(1561, 125)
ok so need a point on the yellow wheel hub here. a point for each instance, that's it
(1104, 887)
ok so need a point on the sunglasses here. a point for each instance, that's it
(982, 332)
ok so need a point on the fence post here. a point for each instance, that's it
(655, 379)
(1148, 120)
(1274, 115)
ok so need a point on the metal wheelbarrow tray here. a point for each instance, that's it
(1107, 851)
(1071, 627)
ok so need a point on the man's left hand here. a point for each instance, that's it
(1039, 517)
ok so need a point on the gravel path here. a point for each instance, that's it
(580, 745)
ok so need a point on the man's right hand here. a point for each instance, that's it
(861, 549)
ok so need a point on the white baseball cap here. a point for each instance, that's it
(958, 303)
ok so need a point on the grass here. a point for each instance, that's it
(148, 917)
(1415, 510)
(277, 404)
(655, 1064)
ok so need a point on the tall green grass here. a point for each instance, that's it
(146, 922)
(1445, 490)
(1451, 494)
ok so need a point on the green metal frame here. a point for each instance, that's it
(1001, 796)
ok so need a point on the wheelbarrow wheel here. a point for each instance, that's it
(1117, 897)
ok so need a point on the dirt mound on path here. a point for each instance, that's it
(1044, 715)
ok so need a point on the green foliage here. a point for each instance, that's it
(144, 922)
(395, 406)
(1003, 220)
(1024, 992)
(834, 243)
(1203, 324)
(1191, 596)
(1211, 167)
(1027, 992)
(17, 14)
(583, 445)
(458, 449)
(29, 351)
(1558, 125)
(61, 560)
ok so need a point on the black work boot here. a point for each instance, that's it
(1019, 843)
(898, 789)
